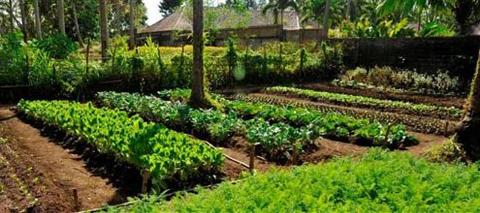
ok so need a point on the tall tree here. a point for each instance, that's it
(279, 6)
(61, 16)
(199, 97)
(132, 24)
(326, 16)
(24, 15)
(467, 134)
(168, 7)
(103, 29)
(75, 21)
(38, 22)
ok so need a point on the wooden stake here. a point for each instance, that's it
(387, 133)
(446, 128)
(251, 165)
(294, 155)
(145, 180)
(75, 200)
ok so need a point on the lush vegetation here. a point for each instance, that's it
(150, 67)
(424, 124)
(397, 80)
(273, 140)
(361, 101)
(330, 125)
(379, 181)
(164, 153)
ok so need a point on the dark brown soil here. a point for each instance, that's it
(60, 169)
(375, 93)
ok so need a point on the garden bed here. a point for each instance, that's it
(421, 124)
(450, 101)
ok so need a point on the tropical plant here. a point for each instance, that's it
(278, 7)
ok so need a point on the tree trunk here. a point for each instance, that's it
(103, 29)
(326, 17)
(12, 16)
(23, 9)
(467, 133)
(281, 18)
(275, 16)
(348, 10)
(38, 23)
(61, 16)
(77, 27)
(132, 24)
(198, 97)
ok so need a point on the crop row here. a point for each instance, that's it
(376, 182)
(329, 125)
(273, 139)
(166, 154)
(422, 124)
(361, 101)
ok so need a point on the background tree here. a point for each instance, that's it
(61, 16)
(103, 29)
(38, 22)
(168, 7)
(278, 7)
(467, 134)
(467, 13)
(132, 24)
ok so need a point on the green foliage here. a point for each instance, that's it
(164, 153)
(58, 46)
(441, 83)
(13, 57)
(378, 181)
(364, 28)
(361, 101)
(216, 126)
(329, 125)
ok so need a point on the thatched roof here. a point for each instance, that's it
(180, 22)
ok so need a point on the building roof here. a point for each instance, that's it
(226, 20)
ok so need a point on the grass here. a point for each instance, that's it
(379, 181)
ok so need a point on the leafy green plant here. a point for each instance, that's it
(361, 101)
(164, 153)
(378, 181)
(58, 46)
(330, 125)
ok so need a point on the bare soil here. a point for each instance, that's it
(60, 169)
(375, 93)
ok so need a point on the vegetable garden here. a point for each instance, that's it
(279, 107)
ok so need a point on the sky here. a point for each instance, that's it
(153, 13)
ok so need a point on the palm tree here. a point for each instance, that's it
(103, 29)
(467, 134)
(319, 10)
(279, 6)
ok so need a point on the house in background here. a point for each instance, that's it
(251, 26)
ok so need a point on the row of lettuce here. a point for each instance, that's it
(362, 101)
(378, 181)
(276, 129)
(166, 154)
(151, 68)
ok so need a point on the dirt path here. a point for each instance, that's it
(66, 170)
